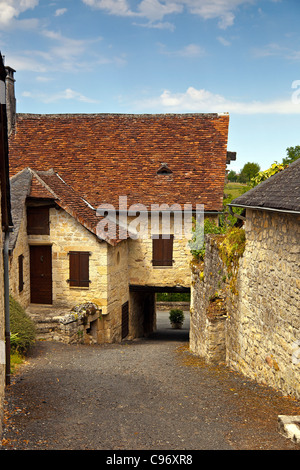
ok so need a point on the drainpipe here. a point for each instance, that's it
(6, 309)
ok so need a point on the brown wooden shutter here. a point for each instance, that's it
(162, 251)
(21, 275)
(79, 268)
(38, 220)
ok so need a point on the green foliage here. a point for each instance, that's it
(176, 315)
(232, 176)
(22, 328)
(293, 153)
(233, 246)
(264, 175)
(173, 297)
(209, 226)
(248, 172)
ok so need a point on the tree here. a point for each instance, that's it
(232, 176)
(249, 171)
(293, 153)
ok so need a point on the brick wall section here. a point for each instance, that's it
(263, 322)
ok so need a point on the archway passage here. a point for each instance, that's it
(147, 320)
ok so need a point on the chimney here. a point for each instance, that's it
(10, 99)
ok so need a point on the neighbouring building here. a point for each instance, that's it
(257, 329)
(64, 168)
(6, 226)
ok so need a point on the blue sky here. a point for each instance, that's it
(171, 56)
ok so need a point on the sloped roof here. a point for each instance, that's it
(280, 192)
(104, 156)
(48, 185)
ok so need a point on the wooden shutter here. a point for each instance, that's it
(38, 220)
(162, 251)
(79, 268)
(21, 275)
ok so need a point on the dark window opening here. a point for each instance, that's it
(162, 251)
(164, 170)
(38, 220)
(79, 268)
(125, 320)
(21, 275)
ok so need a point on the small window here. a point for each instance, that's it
(164, 170)
(38, 220)
(21, 275)
(162, 251)
(79, 268)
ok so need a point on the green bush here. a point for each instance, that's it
(176, 315)
(22, 328)
(173, 297)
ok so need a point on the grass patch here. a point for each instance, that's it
(22, 328)
(234, 190)
(16, 359)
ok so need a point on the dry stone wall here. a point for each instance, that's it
(261, 334)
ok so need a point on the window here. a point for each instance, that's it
(79, 268)
(164, 170)
(21, 277)
(162, 251)
(38, 220)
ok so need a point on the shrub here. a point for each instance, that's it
(22, 328)
(176, 315)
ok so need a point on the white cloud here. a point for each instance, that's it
(67, 94)
(200, 101)
(223, 41)
(60, 11)
(155, 10)
(189, 51)
(157, 25)
(11, 9)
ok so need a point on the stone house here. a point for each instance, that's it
(64, 168)
(258, 331)
(6, 226)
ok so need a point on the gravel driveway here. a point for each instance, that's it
(150, 394)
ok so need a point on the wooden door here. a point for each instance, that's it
(125, 320)
(41, 274)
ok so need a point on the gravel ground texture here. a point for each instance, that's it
(147, 394)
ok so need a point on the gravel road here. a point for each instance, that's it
(150, 394)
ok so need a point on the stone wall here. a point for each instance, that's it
(208, 312)
(21, 248)
(118, 289)
(142, 272)
(263, 332)
(262, 329)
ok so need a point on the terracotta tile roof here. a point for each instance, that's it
(281, 191)
(104, 156)
(47, 185)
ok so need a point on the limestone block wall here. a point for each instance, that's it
(142, 272)
(262, 302)
(263, 331)
(66, 234)
(118, 288)
(21, 248)
(208, 313)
